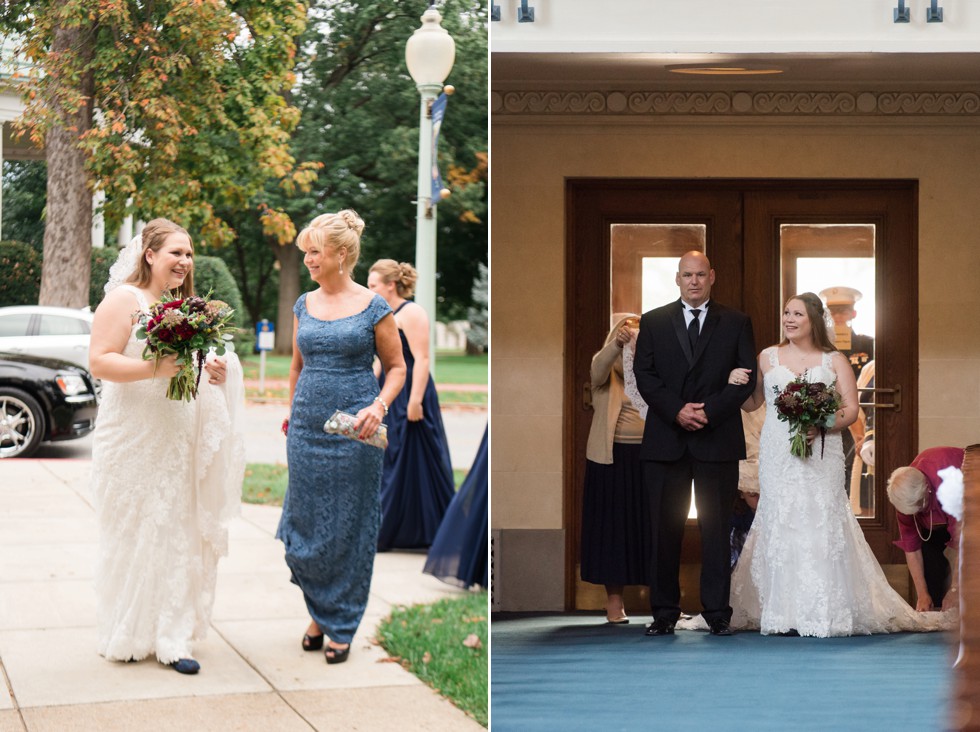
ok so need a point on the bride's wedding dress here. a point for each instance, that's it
(166, 479)
(806, 565)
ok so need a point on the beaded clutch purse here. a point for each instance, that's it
(342, 423)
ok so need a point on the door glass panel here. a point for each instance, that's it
(643, 266)
(837, 262)
(643, 262)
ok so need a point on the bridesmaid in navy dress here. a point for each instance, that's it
(459, 552)
(418, 476)
(331, 511)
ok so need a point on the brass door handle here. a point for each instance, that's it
(896, 398)
(587, 395)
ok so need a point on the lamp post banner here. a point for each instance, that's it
(438, 111)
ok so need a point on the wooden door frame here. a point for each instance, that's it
(591, 204)
(891, 205)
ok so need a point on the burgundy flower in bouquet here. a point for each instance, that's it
(188, 327)
(805, 405)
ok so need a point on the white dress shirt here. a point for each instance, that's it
(688, 317)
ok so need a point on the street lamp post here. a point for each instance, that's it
(429, 54)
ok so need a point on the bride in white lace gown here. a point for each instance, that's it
(166, 475)
(806, 567)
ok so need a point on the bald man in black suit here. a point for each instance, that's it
(685, 352)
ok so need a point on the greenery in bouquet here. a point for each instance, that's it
(804, 405)
(188, 327)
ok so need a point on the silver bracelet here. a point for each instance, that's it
(383, 403)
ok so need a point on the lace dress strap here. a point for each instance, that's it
(140, 297)
(828, 361)
(773, 352)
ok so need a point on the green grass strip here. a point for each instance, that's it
(445, 645)
(461, 369)
(264, 483)
(276, 367)
(451, 368)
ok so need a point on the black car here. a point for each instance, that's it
(42, 400)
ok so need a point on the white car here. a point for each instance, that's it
(48, 332)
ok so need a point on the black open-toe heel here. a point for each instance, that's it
(312, 642)
(339, 654)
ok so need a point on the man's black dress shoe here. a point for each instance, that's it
(719, 627)
(660, 627)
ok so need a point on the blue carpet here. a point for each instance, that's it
(575, 673)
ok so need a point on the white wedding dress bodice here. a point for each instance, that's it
(166, 479)
(805, 565)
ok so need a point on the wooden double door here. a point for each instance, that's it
(765, 239)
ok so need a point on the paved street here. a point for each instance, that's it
(264, 442)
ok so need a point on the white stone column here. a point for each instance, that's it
(98, 220)
(11, 108)
(1, 180)
(126, 230)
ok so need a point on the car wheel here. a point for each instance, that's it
(21, 423)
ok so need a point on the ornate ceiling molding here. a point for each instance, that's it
(739, 103)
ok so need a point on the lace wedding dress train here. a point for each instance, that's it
(166, 479)
(806, 565)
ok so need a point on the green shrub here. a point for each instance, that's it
(102, 259)
(20, 274)
(212, 274)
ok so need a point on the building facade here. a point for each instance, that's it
(773, 135)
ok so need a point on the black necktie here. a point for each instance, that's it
(692, 329)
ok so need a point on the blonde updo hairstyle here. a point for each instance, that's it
(403, 275)
(341, 230)
(907, 488)
(154, 234)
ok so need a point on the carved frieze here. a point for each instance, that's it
(741, 103)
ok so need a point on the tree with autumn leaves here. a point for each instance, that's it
(360, 120)
(199, 116)
(168, 108)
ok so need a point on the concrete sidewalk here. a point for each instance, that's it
(254, 675)
(264, 442)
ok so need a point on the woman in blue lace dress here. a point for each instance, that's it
(331, 511)
(418, 475)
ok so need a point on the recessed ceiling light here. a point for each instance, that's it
(726, 70)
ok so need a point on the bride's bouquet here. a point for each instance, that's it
(188, 327)
(805, 405)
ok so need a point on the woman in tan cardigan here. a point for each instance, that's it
(616, 530)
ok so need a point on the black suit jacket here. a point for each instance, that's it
(669, 376)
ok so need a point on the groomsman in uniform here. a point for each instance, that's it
(859, 349)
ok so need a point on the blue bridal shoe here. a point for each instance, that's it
(186, 666)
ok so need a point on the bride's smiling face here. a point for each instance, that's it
(796, 321)
(173, 261)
